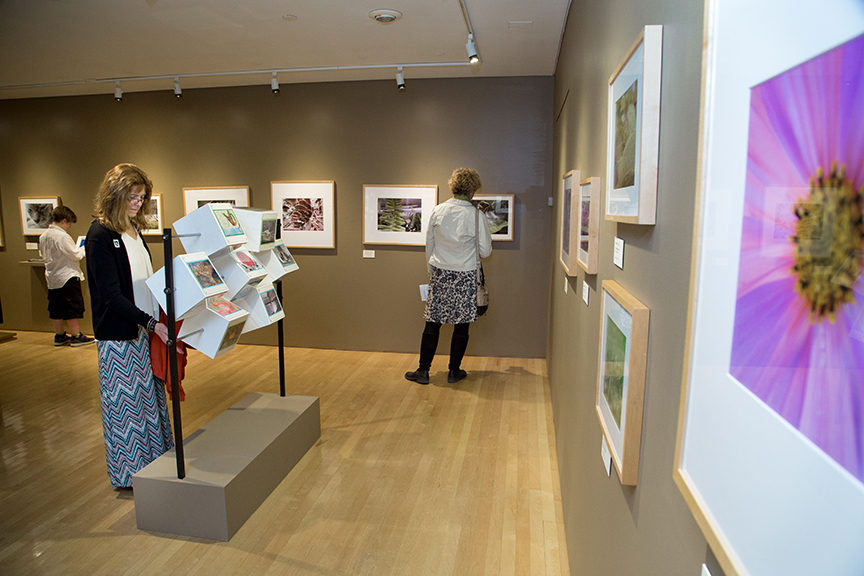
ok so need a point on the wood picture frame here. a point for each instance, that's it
(499, 211)
(588, 248)
(307, 213)
(633, 131)
(194, 198)
(153, 216)
(621, 372)
(37, 213)
(569, 233)
(772, 493)
(397, 215)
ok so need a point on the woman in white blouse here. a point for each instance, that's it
(453, 239)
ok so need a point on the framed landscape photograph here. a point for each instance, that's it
(153, 216)
(307, 213)
(633, 133)
(397, 214)
(621, 376)
(569, 235)
(498, 210)
(770, 446)
(589, 224)
(36, 214)
(194, 198)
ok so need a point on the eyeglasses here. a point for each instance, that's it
(136, 199)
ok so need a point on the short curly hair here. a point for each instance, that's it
(464, 182)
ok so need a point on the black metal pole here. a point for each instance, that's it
(172, 352)
(279, 326)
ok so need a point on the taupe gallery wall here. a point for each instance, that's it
(353, 133)
(616, 530)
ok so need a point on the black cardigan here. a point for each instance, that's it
(115, 316)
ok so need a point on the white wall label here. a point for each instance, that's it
(606, 455)
(585, 291)
(566, 285)
(618, 255)
(368, 254)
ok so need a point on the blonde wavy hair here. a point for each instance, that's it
(464, 182)
(112, 197)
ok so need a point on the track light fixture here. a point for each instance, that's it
(177, 91)
(471, 48)
(400, 80)
(274, 83)
(118, 92)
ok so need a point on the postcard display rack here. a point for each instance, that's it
(227, 283)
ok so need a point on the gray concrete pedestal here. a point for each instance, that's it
(232, 464)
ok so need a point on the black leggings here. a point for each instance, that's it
(429, 344)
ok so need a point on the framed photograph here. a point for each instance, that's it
(770, 448)
(307, 213)
(569, 235)
(397, 214)
(153, 215)
(621, 376)
(498, 210)
(194, 198)
(36, 214)
(589, 224)
(633, 132)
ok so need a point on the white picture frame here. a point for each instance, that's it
(499, 210)
(768, 499)
(194, 198)
(37, 213)
(153, 216)
(307, 213)
(633, 131)
(411, 204)
(568, 237)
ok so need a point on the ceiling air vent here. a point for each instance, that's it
(385, 16)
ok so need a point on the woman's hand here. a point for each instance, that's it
(161, 330)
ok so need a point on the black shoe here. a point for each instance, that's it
(455, 375)
(419, 376)
(61, 339)
(81, 340)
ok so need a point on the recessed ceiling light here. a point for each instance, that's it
(289, 17)
(385, 16)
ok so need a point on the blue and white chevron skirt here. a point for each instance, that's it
(134, 412)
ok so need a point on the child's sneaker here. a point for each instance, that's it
(81, 340)
(61, 339)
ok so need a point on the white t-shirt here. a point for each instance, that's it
(142, 269)
(61, 256)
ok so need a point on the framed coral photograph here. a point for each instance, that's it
(36, 214)
(621, 376)
(307, 213)
(775, 331)
(194, 198)
(397, 214)
(498, 210)
(588, 249)
(633, 131)
(153, 216)
(569, 234)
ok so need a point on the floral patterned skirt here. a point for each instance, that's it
(452, 297)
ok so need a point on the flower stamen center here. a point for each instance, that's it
(829, 243)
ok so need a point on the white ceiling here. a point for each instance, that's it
(66, 47)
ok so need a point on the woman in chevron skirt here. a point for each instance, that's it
(134, 411)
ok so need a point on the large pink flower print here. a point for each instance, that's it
(798, 341)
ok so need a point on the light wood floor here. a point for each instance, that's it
(406, 479)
